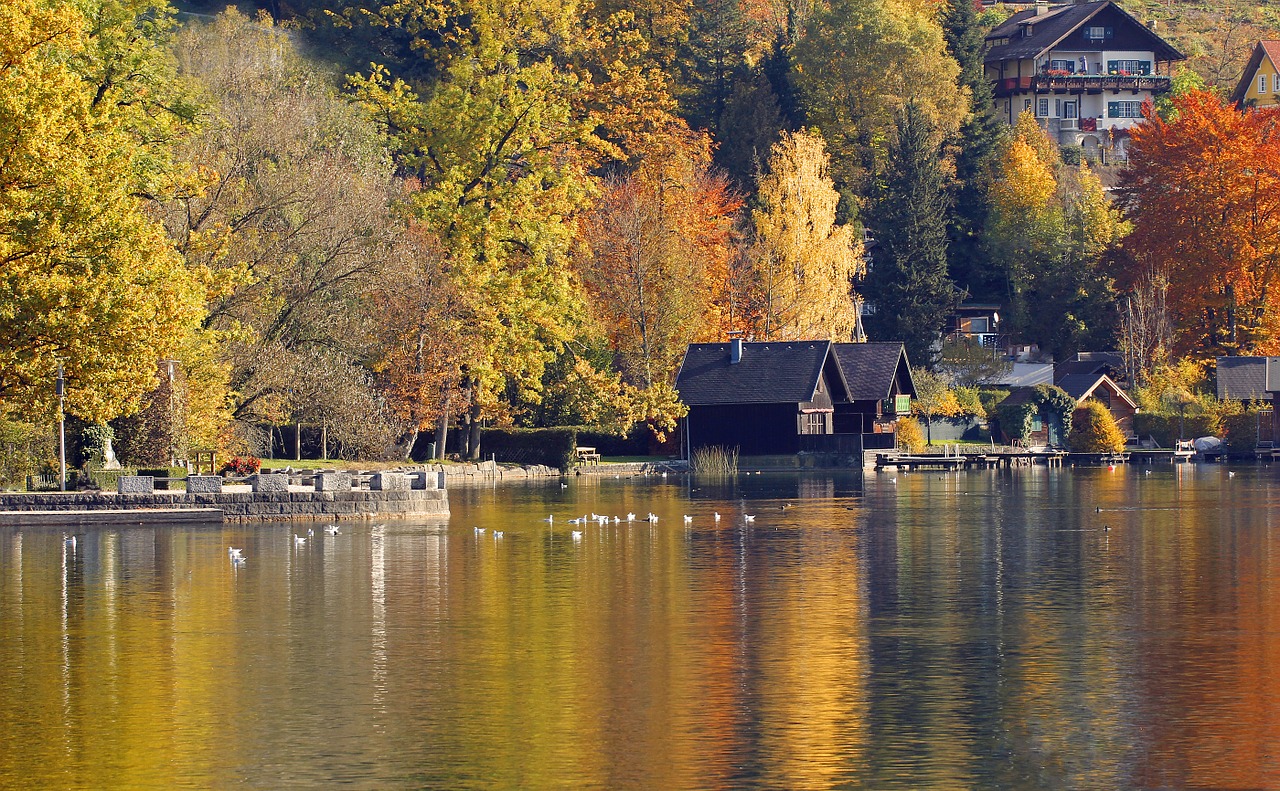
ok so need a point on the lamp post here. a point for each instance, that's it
(60, 388)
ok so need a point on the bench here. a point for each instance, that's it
(585, 455)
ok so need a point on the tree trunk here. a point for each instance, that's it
(473, 444)
(413, 440)
(442, 427)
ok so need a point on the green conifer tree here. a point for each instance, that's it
(977, 147)
(907, 281)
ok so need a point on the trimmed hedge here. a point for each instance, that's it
(1241, 433)
(1164, 428)
(553, 447)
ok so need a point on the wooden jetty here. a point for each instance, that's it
(948, 460)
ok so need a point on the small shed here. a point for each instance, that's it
(1082, 387)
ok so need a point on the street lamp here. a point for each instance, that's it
(60, 389)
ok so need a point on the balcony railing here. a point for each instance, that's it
(1083, 82)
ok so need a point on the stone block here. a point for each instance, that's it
(389, 482)
(270, 483)
(204, 484)
(333, 482)
(135, 484)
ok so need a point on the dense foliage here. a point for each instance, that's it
(477, 214)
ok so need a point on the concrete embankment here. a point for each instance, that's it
(182, 507)
(486, 473)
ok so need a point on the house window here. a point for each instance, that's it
(1044, 108)
(1026, 105)
(1262, 83)
(1057, 108)
(813, 423)
(1124, 109)
(1068, 66)
(1129, 67)
(1097, 33)
(1037, 424)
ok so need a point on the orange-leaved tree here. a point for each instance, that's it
(1203, 192)
(656, 265)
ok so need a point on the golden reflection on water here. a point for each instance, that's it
(1025, 629)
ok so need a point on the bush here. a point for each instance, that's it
(241, 466)
(553, 447)
(1094, 430)
(1164, 428)
(1240, 432)
(25, 450)
(910, 435)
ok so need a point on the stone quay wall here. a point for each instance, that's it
(248, 506)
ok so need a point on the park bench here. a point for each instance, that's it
(585, 455)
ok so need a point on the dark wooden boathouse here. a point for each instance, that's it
(781, 398)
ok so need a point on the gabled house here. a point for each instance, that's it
(1082, 387)
(1109, 363)
(757, 397)
(1259, 85)
(878, 387)
(1083, 69)
(780, 398)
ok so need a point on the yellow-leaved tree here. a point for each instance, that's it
(86, 276)
(805, 263)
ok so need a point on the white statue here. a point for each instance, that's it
(109, 460)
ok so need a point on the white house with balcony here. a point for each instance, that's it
(1083, 69)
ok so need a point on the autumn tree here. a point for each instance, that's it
(805, 263)
(933, 399)
(1048, 228)
(907, 279)
(285, 217)
(858, 61)
(657, 270)
(86, 276)
(1203, 193)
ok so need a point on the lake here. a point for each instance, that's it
(1028, 629)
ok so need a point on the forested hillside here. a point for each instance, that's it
(392, 217)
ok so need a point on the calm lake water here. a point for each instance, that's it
(1024, 629)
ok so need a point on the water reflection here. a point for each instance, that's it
(1026, 628)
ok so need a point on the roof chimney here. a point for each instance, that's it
(735, 351)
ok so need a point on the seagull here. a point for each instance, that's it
(616, 520)
(550, 518)
(234, 553)
(331, 530)
(1231, 474)
(310, 532)
(652, 517)
(717, 516)
(575, 521)
(479, 530)
(893, 480)
(748, 518)
(70, 541)
(688, 520)
(631, 517)
(497, 534)
(299, 540)
(577, 535)
(564, 486)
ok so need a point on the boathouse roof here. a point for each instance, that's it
(869, 369)
(771, 372)
(1242, 379)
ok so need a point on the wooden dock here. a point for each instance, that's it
(1016, 457)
